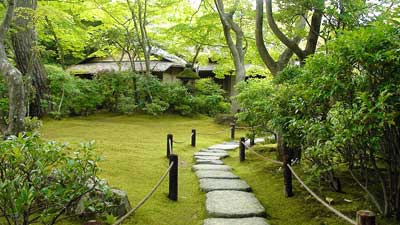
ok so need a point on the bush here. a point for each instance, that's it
(118, 91)
(209, 98)
(341, 108)
(71, 95)
(40, 181)
(127, 92)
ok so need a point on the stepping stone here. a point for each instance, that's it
(210, 162)
(214, 151)
(211, 167)
(224, 147)
(242, 221)
(233, 204)
(208, 185)
(217, 174)
(207, 158)
(231, 143)
(223, 155)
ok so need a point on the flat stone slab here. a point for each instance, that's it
(217, 154)
(211, 184)
(210, 162)
(207, 158)
(233, 204)
(241, 221)
(216, 174)
(231, 143)
(226, 147)
(213, 151)
(211, 167)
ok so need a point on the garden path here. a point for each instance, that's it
(229, 200)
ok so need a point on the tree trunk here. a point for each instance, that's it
(239, 76)
(235, 47)
(27, 56)
(13, 76)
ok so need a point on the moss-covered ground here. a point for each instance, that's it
(134, 149)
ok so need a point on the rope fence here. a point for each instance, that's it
(332, 209)
(149, 194)
(218, 132)
(338, 213)
(288, 170)
(364, 217)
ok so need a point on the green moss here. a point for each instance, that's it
(188, 73)
(134, 159)
(78, 72)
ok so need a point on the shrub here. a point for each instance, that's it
(39, 180)
(71, 95)
(118, 91)
(209, 98)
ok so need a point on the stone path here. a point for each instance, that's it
(229, 200)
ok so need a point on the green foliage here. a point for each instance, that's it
(256, 109)
(209, 98)
(40, 181)
(342, 107)
(156, 97)
(71, 95)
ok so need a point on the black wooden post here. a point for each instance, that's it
(233, 127)
(252, 141)
(173, 178)
(193, 137)
(170, 140)
(242, 149)
(365, 217)
(287, 173)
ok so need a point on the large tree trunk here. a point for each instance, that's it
(13, 76)
(235, 47)
(27, 55)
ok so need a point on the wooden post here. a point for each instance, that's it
(252, 141)
(173, 178)
(233, 127)
(242, 149)
(170, 140)
(287, 174)
(365, 217)
(193, 137)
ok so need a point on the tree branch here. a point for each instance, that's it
(280, 35)
(313, 34)
(262, 49)
(5, 25)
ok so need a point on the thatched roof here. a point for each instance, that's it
(109, 66)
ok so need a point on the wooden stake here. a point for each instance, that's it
(365, 217)
(233, 127)
(193, 137)
(173, 178)
(242, 149)
(170, 140)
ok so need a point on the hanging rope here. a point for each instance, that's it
(147, 197)
(338, 213)
(341, 215)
